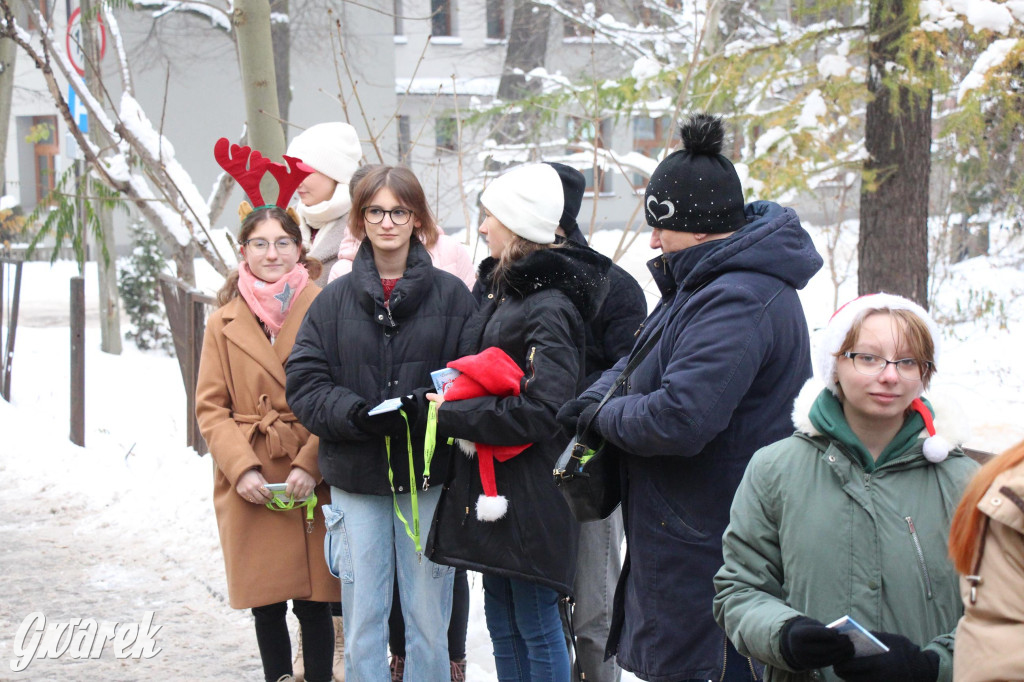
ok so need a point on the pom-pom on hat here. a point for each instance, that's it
(696, 189)
(329, 148)
(574, 184)
(491, 372)
(527, 200)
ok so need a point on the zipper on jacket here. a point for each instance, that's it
(529, 365)
(920, 555)
(725, 657)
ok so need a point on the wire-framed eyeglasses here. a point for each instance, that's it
(375, 215)
(284, 246)
(873, 365)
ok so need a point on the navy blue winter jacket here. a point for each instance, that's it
(719, 385)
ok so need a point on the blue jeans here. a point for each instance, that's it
(526, 631)
(367, 546)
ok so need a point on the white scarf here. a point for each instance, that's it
(324, 216)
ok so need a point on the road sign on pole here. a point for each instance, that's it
(73, 40)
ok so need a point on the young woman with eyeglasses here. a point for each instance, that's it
(270, 555)
(850, 515)
(376, 334)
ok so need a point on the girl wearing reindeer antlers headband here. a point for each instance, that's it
(272, 539)
(366, 348)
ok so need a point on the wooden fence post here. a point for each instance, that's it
(12, 325)
(78, 360)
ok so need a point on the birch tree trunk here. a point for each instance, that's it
(106, 249)
(251, 20)
(8, 51)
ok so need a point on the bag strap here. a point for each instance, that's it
(634, 361)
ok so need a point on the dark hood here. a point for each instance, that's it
(772, 243)
(579, 273)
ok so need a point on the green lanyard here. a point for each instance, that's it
(281, 501)
(428, 456)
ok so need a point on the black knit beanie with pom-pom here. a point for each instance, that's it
(696, 189)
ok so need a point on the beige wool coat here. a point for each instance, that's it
(240, 404)
(990, 636)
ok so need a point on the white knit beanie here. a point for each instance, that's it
(527, 200)
(936, 447)
(330, 148)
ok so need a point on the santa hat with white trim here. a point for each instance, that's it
(936, 447)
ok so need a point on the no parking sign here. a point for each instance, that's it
(73, 40)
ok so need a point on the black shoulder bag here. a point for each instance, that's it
(591, 480)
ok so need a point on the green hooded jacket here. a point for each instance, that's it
(813, 532)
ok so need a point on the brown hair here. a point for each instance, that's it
(256, 218)
(360, 173)
(968, 521)
(913, 331)
(406, 188)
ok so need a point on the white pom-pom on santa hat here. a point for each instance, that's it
(936, 448)
(491, 508)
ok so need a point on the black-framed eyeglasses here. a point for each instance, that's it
(284, 246)
(873, 365)
(375, 215)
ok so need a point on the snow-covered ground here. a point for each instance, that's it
(125, 524)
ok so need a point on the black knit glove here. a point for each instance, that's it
(416, 405)
(904, 661)
(385, 424)
(807, 644)
(569, 416)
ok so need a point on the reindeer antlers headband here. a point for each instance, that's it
(234, 159)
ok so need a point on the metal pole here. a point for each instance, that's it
(12, 328)
(78, 360)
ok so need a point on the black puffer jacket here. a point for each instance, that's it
(538, 319)
(351, 350)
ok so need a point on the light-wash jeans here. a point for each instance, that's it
(366, 543)
(598, 564)
(526, 631)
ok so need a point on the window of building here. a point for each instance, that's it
(404, 140)
(649, 140)
(572, 28)
(446, 134)
(583, 135)
(399, 26)
(496, 20)
(441, 17)
(43, 146)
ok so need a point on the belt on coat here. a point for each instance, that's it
(280, 442)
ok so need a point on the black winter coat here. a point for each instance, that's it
(353, 350)
(610, 335)
(612, 330)
(538, 320)
(718, 386)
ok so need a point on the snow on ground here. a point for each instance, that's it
(125, 525)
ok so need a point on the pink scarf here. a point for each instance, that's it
(270, 302)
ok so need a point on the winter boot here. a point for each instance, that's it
(339, 649)
(459, 670)
(397, 668)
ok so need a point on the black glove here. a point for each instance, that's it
(416, 405)
(569, 416)
(904, 661)
(386, 424)
(807, 644)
